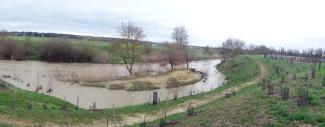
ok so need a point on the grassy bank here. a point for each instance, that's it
(252, 106)
(5, 125)
(238, 70)
(54, 113)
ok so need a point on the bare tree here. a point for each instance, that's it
(3, 35)
(232, 47)
(173, 53)
(7, 47)
(180, 36)
(319, 54)
(131, 35)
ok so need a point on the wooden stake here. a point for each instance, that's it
(37, 82)
(78, 103)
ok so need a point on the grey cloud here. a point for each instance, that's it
(102, 17)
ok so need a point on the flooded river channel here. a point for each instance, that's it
(30, 75)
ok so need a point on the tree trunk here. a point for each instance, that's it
(186, 58)
(171, 63)
(127, 65)
(320, 64)
(187, 62)
(315, 62)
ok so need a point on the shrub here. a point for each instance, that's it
(10, 50)
(282, 79)
(99, 85)
(162, 123)
(302, 91)
(270, 90)
(277, 70)
(143, 124)
(227, 95)
(57, 50)
(142, 85)
(116, 87)
(306, 78)
(285, 92)
(61, 50)
(100, 58)
(312, 72)
(82, 53)
(20, 52)
(190, 110)
(302, 99)
(301, 116)
(172, 82)
(294, 76)
(2, 85)
(314, 99)
(263, 83)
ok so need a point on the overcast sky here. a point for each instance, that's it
(276, 23)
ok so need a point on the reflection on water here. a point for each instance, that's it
(51, 76)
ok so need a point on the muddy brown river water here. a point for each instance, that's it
(55, 75)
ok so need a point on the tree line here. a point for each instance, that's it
(128, 49)
(52, 50)
(233, 46)
(174, 53)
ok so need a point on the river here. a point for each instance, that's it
(51, 75)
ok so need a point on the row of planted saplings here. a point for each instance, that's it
(292, 59)
(302, 98)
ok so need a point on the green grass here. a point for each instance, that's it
(239, 69)
(5, 125)
(233, 111)
(53, 113)
(36, 41)
(287, 112)
(251, 106)
(37, 113)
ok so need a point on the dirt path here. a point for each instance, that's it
(137, 118)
